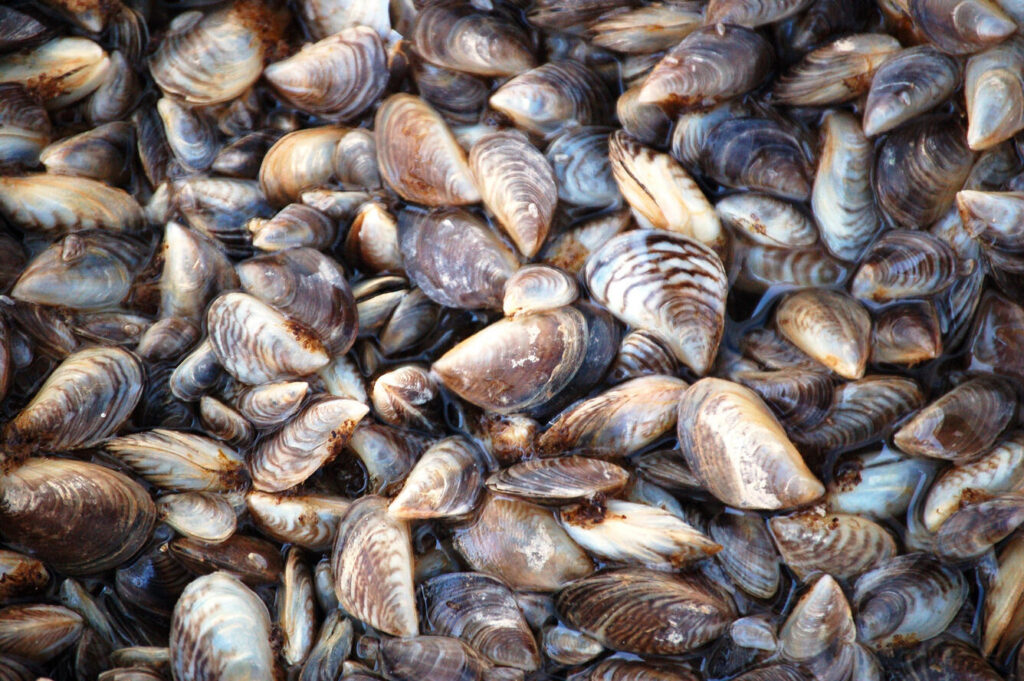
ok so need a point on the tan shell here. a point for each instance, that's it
(460, 38)
(963, 423)
(1003, 597)
(667, 284)
(739, 451)
(316, 435)
(200, 515)
(372, 565)
(445, 482)
(836, 72)
(310, 521)
(831, 327)
(299, 161)
(337, 78)
(215, 58)
(256, 344)
(180, 461)
(296, 609)
(407, 397)
(517, 185)
(627, 533)
(619, 421)
(566, 478)
(661, 193)
(54, 204)
(748, 555)
(38, 632)
(820, 622)
(522, 545)
(553, 96)
(906, 333)
(543, 351)
(418, 156)
(271, 404)
(87, 397)
(837, 543)
(59, 72)
(220, 628)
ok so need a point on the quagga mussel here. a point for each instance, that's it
(511, 340)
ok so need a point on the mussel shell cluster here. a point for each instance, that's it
(511, 340)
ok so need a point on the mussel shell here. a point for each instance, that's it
(918, 170)
(839, 544)
(309, 287)
(18, 29)
(661, 193)
(759, 154)
(800, 397)
(963, 423)
(995, 341)
(544, 350)
(215, 58)
(79, 517)
(218, 207)
(481, 611)
(64, 203)
(446, 481)
(455, 258)
(418, 155)
(945, 658)
(619, 421)
(904, 264)
(254, 561)
(37, 632)
(372, 566)
(430, 657)
(842, 198)
(907, 599)
(517, 185)
(459, 97)
(748, 555)
(909, 82)
(559, 94)
(336, 78)
(616, 669)
(522, 545)
(830, 326)
(558, 480)
(316, 435)
(906, 333)
(309, 521)
(59, 72)
(300, 161)
(961, 26)
(20, 575)
(819, 623)
(836, 72)
(200, 515)
(975, 529)
(459, 37)
(256, 344)
(766, 220)
(90, 394)
(180, 461)
(738, 450)
(667, 284)
(712, 64)
(645, 611)
(221, 629)
(327, 17)
(627, 533)
(863, 411)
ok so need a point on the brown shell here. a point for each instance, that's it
(445, 482)
(38, 632)
(830, 326)
(418, 155)
(457, 37)
(522, 544)
(619, 421)
(372, 566)
(840, 544)
(299, 161)
(748, 555)
(515, 364)
(645, 611)
(667, 284)
(79, 517)
(517, 185)
(552, 97)
(737, 448)
(963, 423)
(906, 333)
(563, 479)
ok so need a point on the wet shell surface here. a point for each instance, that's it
(667, 284)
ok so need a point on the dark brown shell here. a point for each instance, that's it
(79, 517)
(759, 154)
(645, 611)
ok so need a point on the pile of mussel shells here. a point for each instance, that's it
(511, 340)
